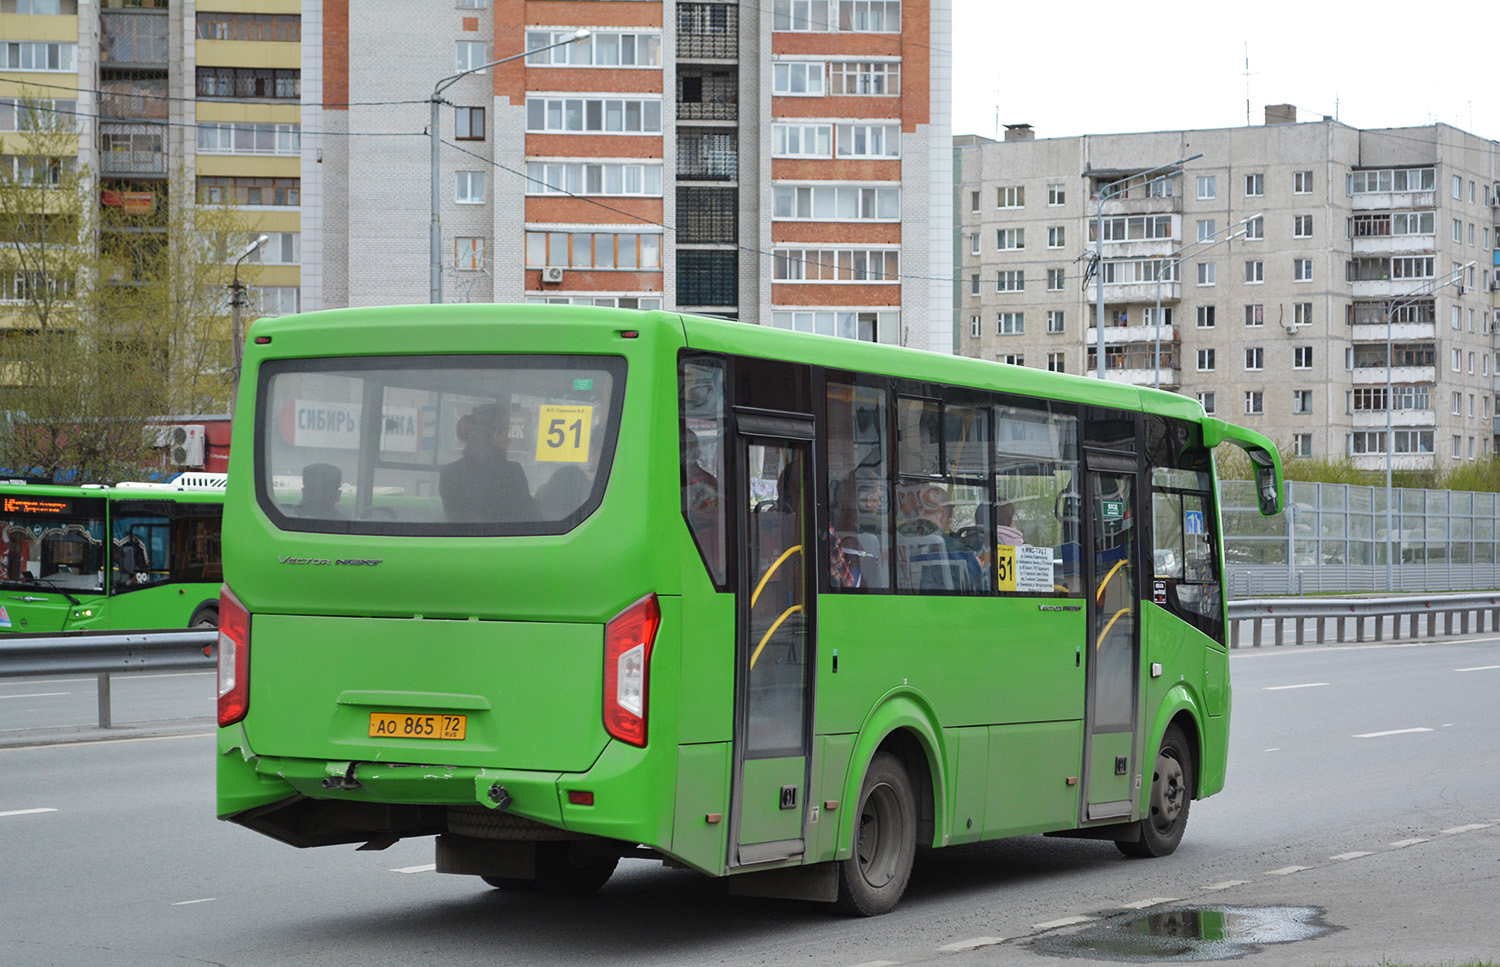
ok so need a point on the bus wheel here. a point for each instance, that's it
(562, 869)
(1171, 798)
(885, 840)
(205, 617)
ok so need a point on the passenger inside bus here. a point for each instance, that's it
(483, 485)
(1005, 530)
(321, 483)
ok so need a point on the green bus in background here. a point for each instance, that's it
(127, 557)
(561, 585)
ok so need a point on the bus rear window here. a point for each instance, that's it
(437, 445)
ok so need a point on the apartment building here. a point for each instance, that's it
(784, 164)
(208, 90)
(1328, 286)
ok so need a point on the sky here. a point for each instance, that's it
(1094, 68)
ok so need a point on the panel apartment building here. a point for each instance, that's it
(1264, 277)
(786, 163)
(211, 89)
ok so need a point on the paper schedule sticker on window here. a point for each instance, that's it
(563, 434)
(1023, 568)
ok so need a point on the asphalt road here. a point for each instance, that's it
(1364, 784)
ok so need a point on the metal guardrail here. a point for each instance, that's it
(105, 654)
(1402, 616)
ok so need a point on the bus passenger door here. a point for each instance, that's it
(1113, 646)
(773, 650)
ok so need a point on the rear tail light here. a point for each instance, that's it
(234, 658)
(628, 638)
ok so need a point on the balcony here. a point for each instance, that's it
(1395, 245)
(1399, 461)
(1393, 200)
(143, 98)
(1375, 420)
(1137, 293)
(1169, 205)
(1386, 288)
(1145, 336)
(708, 31)
(133, 39)
(707, 154)
(707, 94)
(1400, 332)
(132, 149)
(1375, 375)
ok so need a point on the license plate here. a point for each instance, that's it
(384, 725)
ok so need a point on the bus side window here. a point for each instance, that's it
(1036, 494)
(701, 412)
(859, 515)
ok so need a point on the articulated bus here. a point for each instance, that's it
(777, 607)
(127, 557)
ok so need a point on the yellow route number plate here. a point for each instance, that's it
(384, 725)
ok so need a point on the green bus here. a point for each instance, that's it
(127, 557)
(772, 606)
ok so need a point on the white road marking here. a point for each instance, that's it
(83, 742)
(188, 903)
(1277, 749)
(1403, 843)
(1283, 688)
(37, 695)
(28, 812)
(1226, 884)
(1064, 922)
(971, 944)
(1287, 870)
(425, 868)
(1378, 735)
(880, 963)
(1464, 829)
(1478, 668)
(1154, 901)
(1351, 856)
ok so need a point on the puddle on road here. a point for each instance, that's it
(1188, 933)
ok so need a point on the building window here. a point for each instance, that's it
(1012, 197)
(974, 284)
(609, 115)
(705, 278)
(1011, 324)
(1056, 236)
(1255, 228)
(880, 78)
(1205, 273)
(1255, 358)
(274, 300)
(1302, 226)
(1302, 401)
(1302, 445)
(1255, 272)
(1010, 281)
(1055, 279)
(809, 15)
(1255, 315)
(1205, 317)
(471, 54)
(468, 254)
(863, 325)
(1205, 360)
(869, 141)
(249, 138)
(598, 250)
(1302, 270)
(1302, 313)
(1458, 187)
(974, 324)
(1054, 321)
(1254, 402)
(973, 201)
(250, 82)
(281, 248)
(586, 178)
(835, 265)
(1255, 185)
(870, 16)
(27, 55)
(1207, 229)
(974, 244)
(1056, 363)
(1008, 239)
(283, 27)
(1056, 196)
(1206, 400)
(602, 48)
(469, 123)
(470, 188)
(1391, 179)
(790, 140)
(835, 203)
(797, 78)
(257, 192)
(1208, 187)
(1302, 183)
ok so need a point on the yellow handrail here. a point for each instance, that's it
(1099, 595)
(771, 631)
(772, 570)
(1099, 643)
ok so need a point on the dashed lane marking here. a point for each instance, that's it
(972, 944)
(1284, 688)
(1143, 904)
(1403, 843)
(1226, 884)
(188, 903)
(1463, 829)
(1351, 856)
(1379, 735)
(1064, 922)
(1478, 668)
(28, 812)
(37, 695)
(424, 868)
(1287, 870)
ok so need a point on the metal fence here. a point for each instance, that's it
(1334, 538)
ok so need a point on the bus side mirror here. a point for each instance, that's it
(1263, 458)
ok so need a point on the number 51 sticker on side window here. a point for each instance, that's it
(563, 434)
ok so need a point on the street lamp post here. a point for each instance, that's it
(1171, 263)
(1109, 191)
(236, 314)
(1397, 303)
(435, 240)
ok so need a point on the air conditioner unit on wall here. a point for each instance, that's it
(552, 273)
(184, 443)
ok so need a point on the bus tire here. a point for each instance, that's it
(560, 868)
(207, 616)
(1171, 798)
(873, 878)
